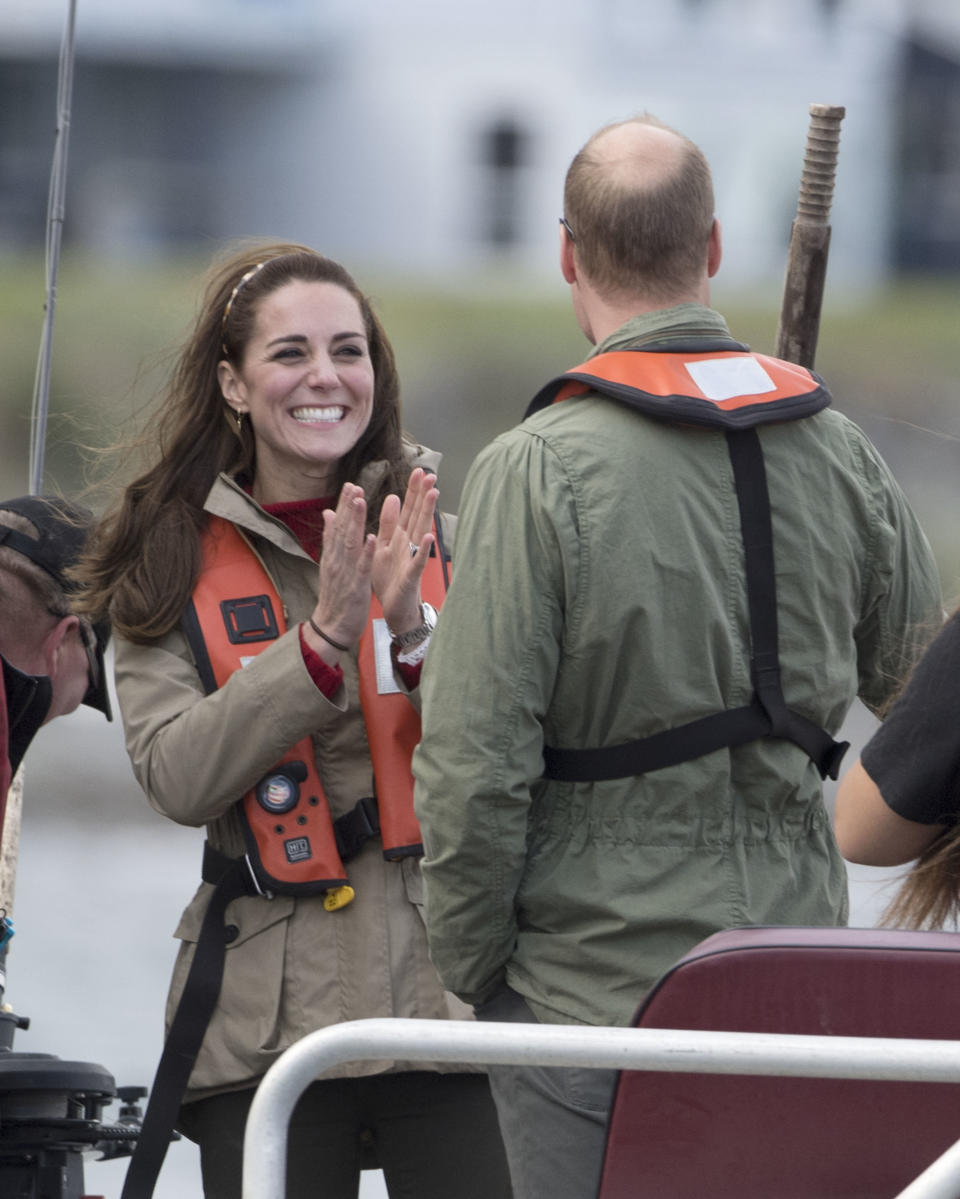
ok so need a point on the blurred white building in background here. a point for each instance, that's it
(432, 138)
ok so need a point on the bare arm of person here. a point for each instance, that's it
(869, 832)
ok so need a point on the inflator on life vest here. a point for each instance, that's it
(725, 387)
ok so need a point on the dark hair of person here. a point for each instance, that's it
(634, 236)
(143, 560)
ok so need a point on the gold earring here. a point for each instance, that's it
(239, 424)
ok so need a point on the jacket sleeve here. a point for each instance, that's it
(901, 605)
(487, 683)
(194, 754)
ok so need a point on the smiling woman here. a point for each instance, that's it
(272, 598)
(306, 381)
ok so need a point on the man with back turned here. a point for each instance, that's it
(681, 535)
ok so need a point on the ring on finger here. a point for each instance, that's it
(414, 549)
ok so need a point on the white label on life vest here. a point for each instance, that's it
(723, 378)
(247, 661)
(386, 683)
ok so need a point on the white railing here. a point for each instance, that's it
(878, 1058)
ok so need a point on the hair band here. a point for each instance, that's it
(233, 295)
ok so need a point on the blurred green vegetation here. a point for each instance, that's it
(468, 363)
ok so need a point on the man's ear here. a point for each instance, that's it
(53, 643)
(714, 249)
(568, 266)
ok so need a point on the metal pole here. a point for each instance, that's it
(55, 215)
(10, 829)
(265, 1143)
(941, 1180)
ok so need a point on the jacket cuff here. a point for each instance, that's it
(329, 679)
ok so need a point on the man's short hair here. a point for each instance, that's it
(635, 238)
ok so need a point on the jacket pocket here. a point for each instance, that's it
(243, 1035)
(248, 915)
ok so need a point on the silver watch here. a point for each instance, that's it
(423, 630)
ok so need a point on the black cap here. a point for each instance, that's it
(62, 528)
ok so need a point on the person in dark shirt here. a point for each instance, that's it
(901, 801)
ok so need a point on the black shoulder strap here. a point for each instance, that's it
(442, 550)
(753, 499)
(767, 715)
(198, 647)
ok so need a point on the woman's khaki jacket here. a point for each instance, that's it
(292, 967)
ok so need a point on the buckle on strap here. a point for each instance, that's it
(355, 828)
(216, 865)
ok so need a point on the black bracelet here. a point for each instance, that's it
(330, 641)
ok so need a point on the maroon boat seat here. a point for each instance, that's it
(702, 1136)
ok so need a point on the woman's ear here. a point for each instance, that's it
(231, 387)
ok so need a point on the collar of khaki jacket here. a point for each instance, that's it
(227, 498)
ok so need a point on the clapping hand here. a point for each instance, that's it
(353, 562)
(343, 581)
(402, 548)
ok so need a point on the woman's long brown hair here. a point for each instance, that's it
(143, 559)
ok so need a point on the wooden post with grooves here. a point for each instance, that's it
(810, 239)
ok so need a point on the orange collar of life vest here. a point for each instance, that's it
(730, 389)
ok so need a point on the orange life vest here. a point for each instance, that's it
(723, 387)
(291, 839)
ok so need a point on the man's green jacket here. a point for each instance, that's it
(599, 596)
